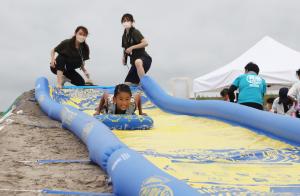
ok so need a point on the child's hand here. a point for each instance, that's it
(96, 113)
(59, 86)
(87, 75)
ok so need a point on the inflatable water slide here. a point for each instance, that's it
(182, 147)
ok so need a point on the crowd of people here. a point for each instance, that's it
(249, 89)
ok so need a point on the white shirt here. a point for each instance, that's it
(294, 91)
(279, 109)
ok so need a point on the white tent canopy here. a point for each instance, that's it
(277, 63)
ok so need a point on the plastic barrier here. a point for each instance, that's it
(280, 126)
(109, 152)
(126, 122)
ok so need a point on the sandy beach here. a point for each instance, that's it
(28, 135)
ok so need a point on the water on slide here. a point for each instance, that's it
(210, 155)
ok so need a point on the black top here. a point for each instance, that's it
(133, 37)
(68, 50)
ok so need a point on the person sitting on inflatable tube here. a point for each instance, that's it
(121, 102)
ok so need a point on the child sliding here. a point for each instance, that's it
(121, 102)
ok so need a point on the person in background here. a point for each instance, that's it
(282, 104)
(72, 54)
(224, 94)
(294, 94)
(251, 86)
(134, 45)
(269, 103)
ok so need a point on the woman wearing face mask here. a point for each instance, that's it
(72, 54)
(134, 45)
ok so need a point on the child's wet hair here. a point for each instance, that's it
(122, 88)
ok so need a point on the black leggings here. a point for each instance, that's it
(253, 105)
(68, 70)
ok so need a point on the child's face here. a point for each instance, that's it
(269, 106)
(122, 100)
(226, 97)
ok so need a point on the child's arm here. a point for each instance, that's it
(138, 102)
(101, 104)
(231, 93)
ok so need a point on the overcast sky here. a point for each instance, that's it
(186, 38)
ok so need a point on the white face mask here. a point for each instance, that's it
(80, 38)
(127, 25)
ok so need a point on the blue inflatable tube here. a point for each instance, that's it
(154, 181)
(126, 122)
(131, 173)
(101, 142)
(280, 126)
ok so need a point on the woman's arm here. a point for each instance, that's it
(101, 104)
(231, 93)
(59, 72)
(86, 73)
(142, 44)
(53, 61)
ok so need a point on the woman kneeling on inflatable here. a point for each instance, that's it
(121, 102)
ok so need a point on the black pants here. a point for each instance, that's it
(68, 70)
(253, 105)
(132, 75)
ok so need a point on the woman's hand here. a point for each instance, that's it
(96, 113)
(87, 75)
(53, 63)
(129, 50)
